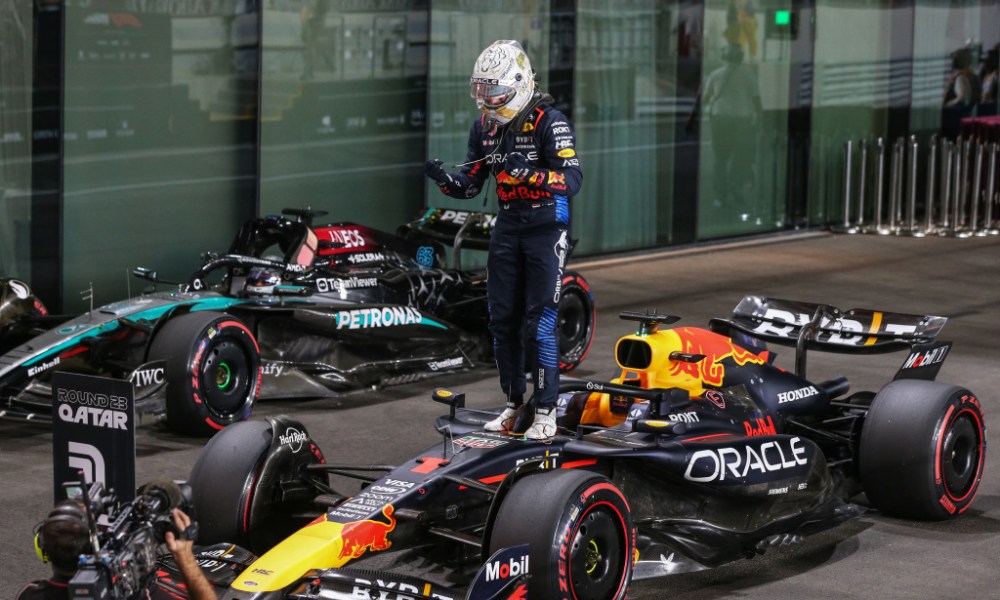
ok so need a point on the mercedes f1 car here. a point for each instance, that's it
(291, 310)
(701, 452)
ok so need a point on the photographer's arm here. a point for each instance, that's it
(198, 585)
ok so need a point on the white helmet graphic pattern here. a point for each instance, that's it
(502, 81)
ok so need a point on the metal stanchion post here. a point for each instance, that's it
(931, 175)
(977, 186)
(862, 185)
(846, 226)
(991, 198)
(911, 208)
(895, 185)
(879, 185)
(946, 163)
(956, 192)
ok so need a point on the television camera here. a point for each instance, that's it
(125, 537)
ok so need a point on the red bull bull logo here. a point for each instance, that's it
(360, 536)
(503, 178)
(715, 348)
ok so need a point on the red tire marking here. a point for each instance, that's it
(621, 520)
(937, 455)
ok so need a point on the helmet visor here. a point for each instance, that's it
(492, 95)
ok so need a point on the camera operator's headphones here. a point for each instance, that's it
(66, 511)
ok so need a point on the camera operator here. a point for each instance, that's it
(66, 534)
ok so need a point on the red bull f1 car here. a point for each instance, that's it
(291, 310)
(700, 452)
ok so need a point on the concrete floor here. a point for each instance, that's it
(873, 556)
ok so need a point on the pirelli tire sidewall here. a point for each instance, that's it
(579, 530)
(923, 450)
(577, 321)
(213, 371)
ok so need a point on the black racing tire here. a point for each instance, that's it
(213, 371)
(923, 448)
(577, 321)
(579, 530)
(223, 482)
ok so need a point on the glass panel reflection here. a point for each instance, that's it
(344, 105)
(160, 164)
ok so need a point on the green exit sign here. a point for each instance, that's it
(783, 24)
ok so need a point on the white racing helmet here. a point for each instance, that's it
(502, 81)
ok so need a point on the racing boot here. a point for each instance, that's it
(544, 425)
(505, 421)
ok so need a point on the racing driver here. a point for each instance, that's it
(530, 148)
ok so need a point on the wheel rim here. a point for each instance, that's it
(597, 561)
(572, 325)
(225, 378)
(961, 455)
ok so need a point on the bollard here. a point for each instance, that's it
(956, 193)
(963, 185)
(846, 226)
(931, 175)
(895, 186)
(862, 184)
(977, 186)
(879, 184)
(991, 196)
(947, 157)
(911, 208)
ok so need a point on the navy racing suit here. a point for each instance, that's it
(529, 243)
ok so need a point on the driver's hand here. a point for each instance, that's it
(435, 171)
(517, 166)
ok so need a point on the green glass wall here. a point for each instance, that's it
(343, 109)
(744, 103)
(15, 137)
(623, 110)
(182, 119)
(159, 139)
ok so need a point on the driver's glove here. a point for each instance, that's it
(517, 166)
(435, 171)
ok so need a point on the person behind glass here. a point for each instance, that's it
(530, 148)
(731, 98)
(990, 76)
(65, 534)
(961, 94)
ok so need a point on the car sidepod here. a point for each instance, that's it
(708, 500)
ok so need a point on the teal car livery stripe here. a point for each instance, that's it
(150, 314)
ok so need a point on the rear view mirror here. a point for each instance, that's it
(450, 398)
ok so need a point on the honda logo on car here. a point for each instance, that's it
(513, 567)
(767, 457)
(798, 394)
(293, 438)
(363, 318)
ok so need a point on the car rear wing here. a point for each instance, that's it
(808, 326)
(466, 228)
